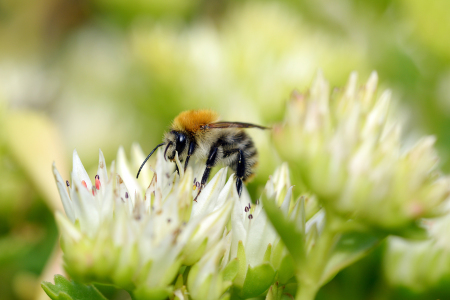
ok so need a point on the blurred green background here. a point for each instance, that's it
(90, 74)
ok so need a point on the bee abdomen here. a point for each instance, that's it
(250, 165)
(246, 167)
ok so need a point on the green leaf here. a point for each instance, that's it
(267, 253)
(155, 293)
(179, 282)
(412, 231)
(275, 292)
(240, 277)
(192, 276)
(170, 273)
(143, 273)
(231, 270)
(225, 296)
(286, 270)
(350, 247)
(121, 275)
(287, 229)
(203, 291)
(277, 254)
(258, 280)
(64, 289)
(311, 238)
(193, 254)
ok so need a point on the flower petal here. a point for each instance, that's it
(84, 206)
(68, 230)
(206, 201)
(62, 189)
(101, 170)
(80, 171)
(128, 178)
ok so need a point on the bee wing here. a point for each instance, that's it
(234, 125)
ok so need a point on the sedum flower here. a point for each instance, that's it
(119, 231)
(420, 265)
(347, 149)
(263, 257)
(210, 277)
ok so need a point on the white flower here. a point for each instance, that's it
(118, 230)
(420, 264)
(208, 279)
(138, 234)
(263, 258)
(348, 151)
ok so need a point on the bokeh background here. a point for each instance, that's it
(90, 74)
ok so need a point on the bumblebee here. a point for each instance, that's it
(199, 134)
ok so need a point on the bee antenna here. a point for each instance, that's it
(165, 151)
(137, 176)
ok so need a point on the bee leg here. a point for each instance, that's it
(190, 152)
(240, 172)
(209, 164)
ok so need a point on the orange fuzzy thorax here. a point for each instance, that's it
(192, 120)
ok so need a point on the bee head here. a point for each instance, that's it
(174, 141)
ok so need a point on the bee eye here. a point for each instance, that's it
(181, 143)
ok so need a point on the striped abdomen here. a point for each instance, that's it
(233, 144)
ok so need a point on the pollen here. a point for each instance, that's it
(192, 120)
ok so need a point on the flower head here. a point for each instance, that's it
(348, 151)
(209, 279)
(118, 231)
(262, 256)
(420, 264)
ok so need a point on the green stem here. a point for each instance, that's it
(310, 277)
(306, 291)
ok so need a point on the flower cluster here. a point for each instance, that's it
(142, 234)
(113, 232)
(420, 264)
(348, 150)
(149, 237)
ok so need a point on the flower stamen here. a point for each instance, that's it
(97, 182)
